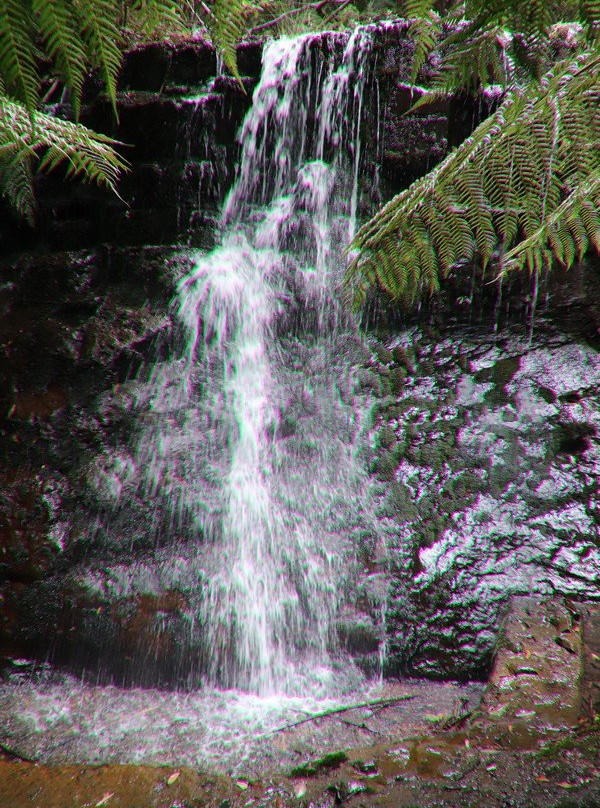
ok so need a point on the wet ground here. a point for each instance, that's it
(446, 769)
(66, 721)
(532, 740)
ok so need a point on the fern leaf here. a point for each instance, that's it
(88, 155)
(227, 26)
(571, 228)
(590, 14)
(101, 37)
(154, 15)
(516, 183)
(59, 29)
(17, 54)
(16, 183)
(424, 31)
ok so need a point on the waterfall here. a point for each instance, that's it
(260, 418)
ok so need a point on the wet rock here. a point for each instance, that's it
(151, 67)
(249, 58)
(590, 685)
(74, 326)
(359, 636)
(494, 469)
(535, 679)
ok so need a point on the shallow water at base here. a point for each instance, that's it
(64, 720)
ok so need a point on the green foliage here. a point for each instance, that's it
(52, 141)
(524, 190)
(227, 25)
(59, 28)
(100, 37)
(329, 761)
(152, 16)
(425, 30)
(74, 35)
(16, 182)
(17, 54)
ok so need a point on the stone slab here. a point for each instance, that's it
(537, 670)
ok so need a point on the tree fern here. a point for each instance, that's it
(425, 30)
(522, 190)
(75, 34)
(151, 16)
(54, 141)
(16, 182)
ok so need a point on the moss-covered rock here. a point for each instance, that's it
(325, 763)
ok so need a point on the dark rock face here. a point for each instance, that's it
(75, 327)
(487, 461)
(178, 125)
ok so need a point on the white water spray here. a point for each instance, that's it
(268, 420)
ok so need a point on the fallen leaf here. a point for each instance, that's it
(105, 799)
(542, 779)
(300, 789)
(564, 784)
(242, 784)
(172, 778)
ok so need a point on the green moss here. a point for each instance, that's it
(500, 478)
(588, 741)
(384, 356)
(431, 531)
(387, 437)
(397, 381)
(399, 355)
(386, 464)
(401, 504)
(330, 761)
(433, 456)
(413, 454)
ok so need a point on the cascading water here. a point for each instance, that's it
(266, 419)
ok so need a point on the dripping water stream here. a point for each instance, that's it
(269, 410)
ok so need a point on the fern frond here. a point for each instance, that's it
(59, 29)
(17, 52)
(516, 186)
(425, 32)
(54, 141)
(16, 182)
(153, 15)
(574, 224)
(101, 36)
(227, 25)
(589, 11)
